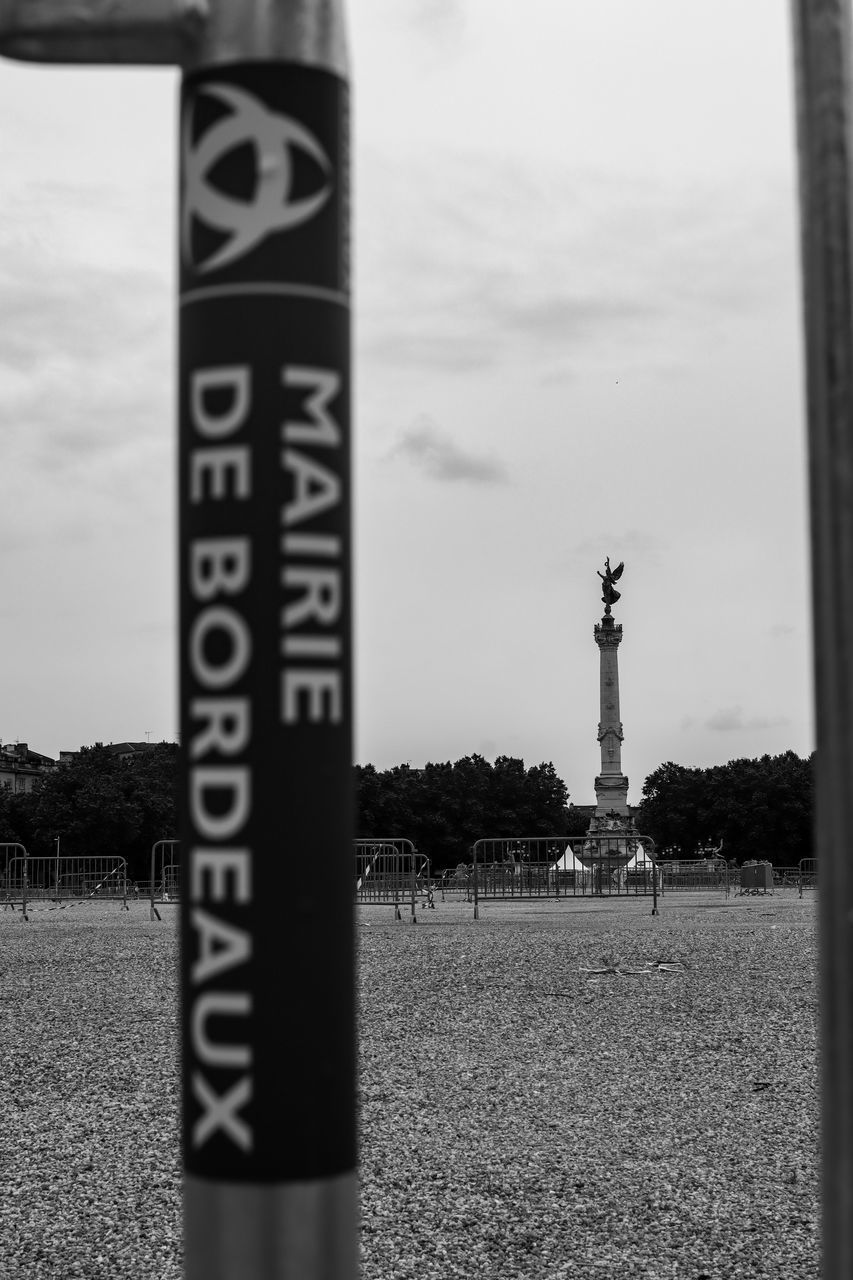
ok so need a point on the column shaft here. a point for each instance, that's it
(611, 786)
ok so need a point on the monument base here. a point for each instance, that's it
(611, 842)
(611, 795)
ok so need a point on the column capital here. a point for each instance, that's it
(608, 634)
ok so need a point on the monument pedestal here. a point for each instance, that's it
(610, 844)
(611, 794)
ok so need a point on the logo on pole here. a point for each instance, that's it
(271, 206)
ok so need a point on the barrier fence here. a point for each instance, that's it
(389, 871)
(13, 850)
(165, 885)
(808, 874)
(786, 877)
(455, 882)
(66, 879)
(503, 868)
(695, 875)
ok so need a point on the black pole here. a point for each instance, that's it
(266, 661)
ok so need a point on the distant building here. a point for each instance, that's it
(20, 768)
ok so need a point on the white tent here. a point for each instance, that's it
(641, 861)
(569, 862)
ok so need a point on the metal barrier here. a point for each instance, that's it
(529, 867)
(165, 883)
(389, 870)
(808, 874)
(66, 879)
(786, 877)
(456, 880)
(8, 899)
(693, 875)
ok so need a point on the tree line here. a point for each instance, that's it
(757, 809)
(102, 804)
(752, 808)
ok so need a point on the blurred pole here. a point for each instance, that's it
(822, 46)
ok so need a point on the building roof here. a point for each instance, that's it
(19, 754)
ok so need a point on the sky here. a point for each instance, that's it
(577, 335)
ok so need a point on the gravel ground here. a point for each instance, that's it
(88, 1149)
(575, 1089)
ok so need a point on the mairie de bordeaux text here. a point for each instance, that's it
(219, 652)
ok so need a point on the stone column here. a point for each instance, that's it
(611, 786)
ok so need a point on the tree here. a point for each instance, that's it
(152, 778)
(101, 804)
(670, 810)
(15, 817)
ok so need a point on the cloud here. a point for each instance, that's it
(432, 451)
(459, 270)
(85, 363)
(85, 396)
(732, 720)
(559, 272)
(462, 322)
(557, 317)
